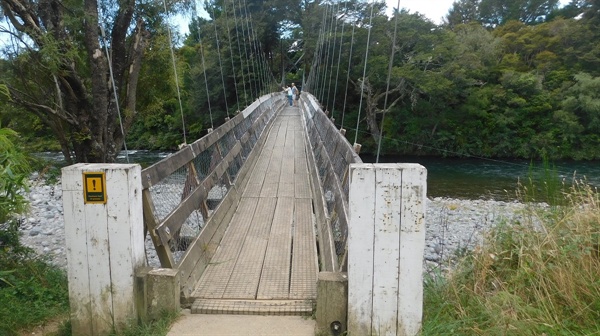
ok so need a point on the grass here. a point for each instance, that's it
(34, 294)
(540, 276)
(159, 327)
(31, 291)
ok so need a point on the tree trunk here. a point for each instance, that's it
(84, 100)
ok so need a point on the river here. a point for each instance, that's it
(471, 178)
(447, 177)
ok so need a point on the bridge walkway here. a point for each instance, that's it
(266, 262)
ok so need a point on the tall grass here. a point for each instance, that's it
(540, 276)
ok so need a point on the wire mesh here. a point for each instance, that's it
(333, 154)
(200, 174)
(166, 195)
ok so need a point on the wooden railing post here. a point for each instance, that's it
(386, 240)
(104, 233)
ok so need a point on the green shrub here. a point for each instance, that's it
(31, 291)
(14, 170)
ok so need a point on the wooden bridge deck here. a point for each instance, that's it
(267, 260)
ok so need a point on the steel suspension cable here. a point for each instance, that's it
(322, 97)
(247, 58)
(387, 90)
(258, 53)
(176, 77)
(348, 71)
(251, 41)
(112, 79)
(313, 76)
(220, 63)
(262, 65)
(237, 35)
(212, 125)
(320, 53)
(313, 68)
(362, 84)
(333, 22)
(237, 97)
(337, 75)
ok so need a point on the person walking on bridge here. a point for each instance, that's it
(290, 94)
(295, 94)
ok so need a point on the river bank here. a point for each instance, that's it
(452, 224)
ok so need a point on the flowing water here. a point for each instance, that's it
(493, 179)
(455, 178)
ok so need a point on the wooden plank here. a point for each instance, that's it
(179, 215)
(200, 252)
(76, 240)
(287, 169)
(393, 215)
(299, 141)
(210, 139)
(252, 190)
(302, 187)
(269, 190)
(173, 222)
(99, 268)
(360, 238)
(165, 167)
(255, 307)
(386, 251)
(162, 169)
(126, 239)
(195, 260)
(275, 276)
(244, 280)
(412, 246)
(250, 163)
(303, 282)
(214, 280)
(332, 302)
(341, 210)
(286, 189)
(327, 257)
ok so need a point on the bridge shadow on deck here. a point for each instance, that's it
(266, 262)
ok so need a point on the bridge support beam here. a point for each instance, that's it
(158, 292)
(386, 240)
(104, 233)
(332, 303)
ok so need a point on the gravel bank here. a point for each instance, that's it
(451, 224)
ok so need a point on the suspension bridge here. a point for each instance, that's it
(271, 213)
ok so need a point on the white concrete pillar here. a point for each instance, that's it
(104, 233)
(386, 241)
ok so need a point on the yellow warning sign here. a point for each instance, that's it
(94, 188)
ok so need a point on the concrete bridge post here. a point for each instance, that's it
(386, 241)
(104, 233)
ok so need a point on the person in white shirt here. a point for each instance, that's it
(290, 94)
(295, 94)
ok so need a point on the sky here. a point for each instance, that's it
(432, 9)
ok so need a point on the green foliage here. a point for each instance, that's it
(31, 291)
(14, 169)
(504, 81)
(531, 277)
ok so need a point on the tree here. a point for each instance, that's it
(493, 13)
(14, 169)
(60, 71)
(463, 11)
